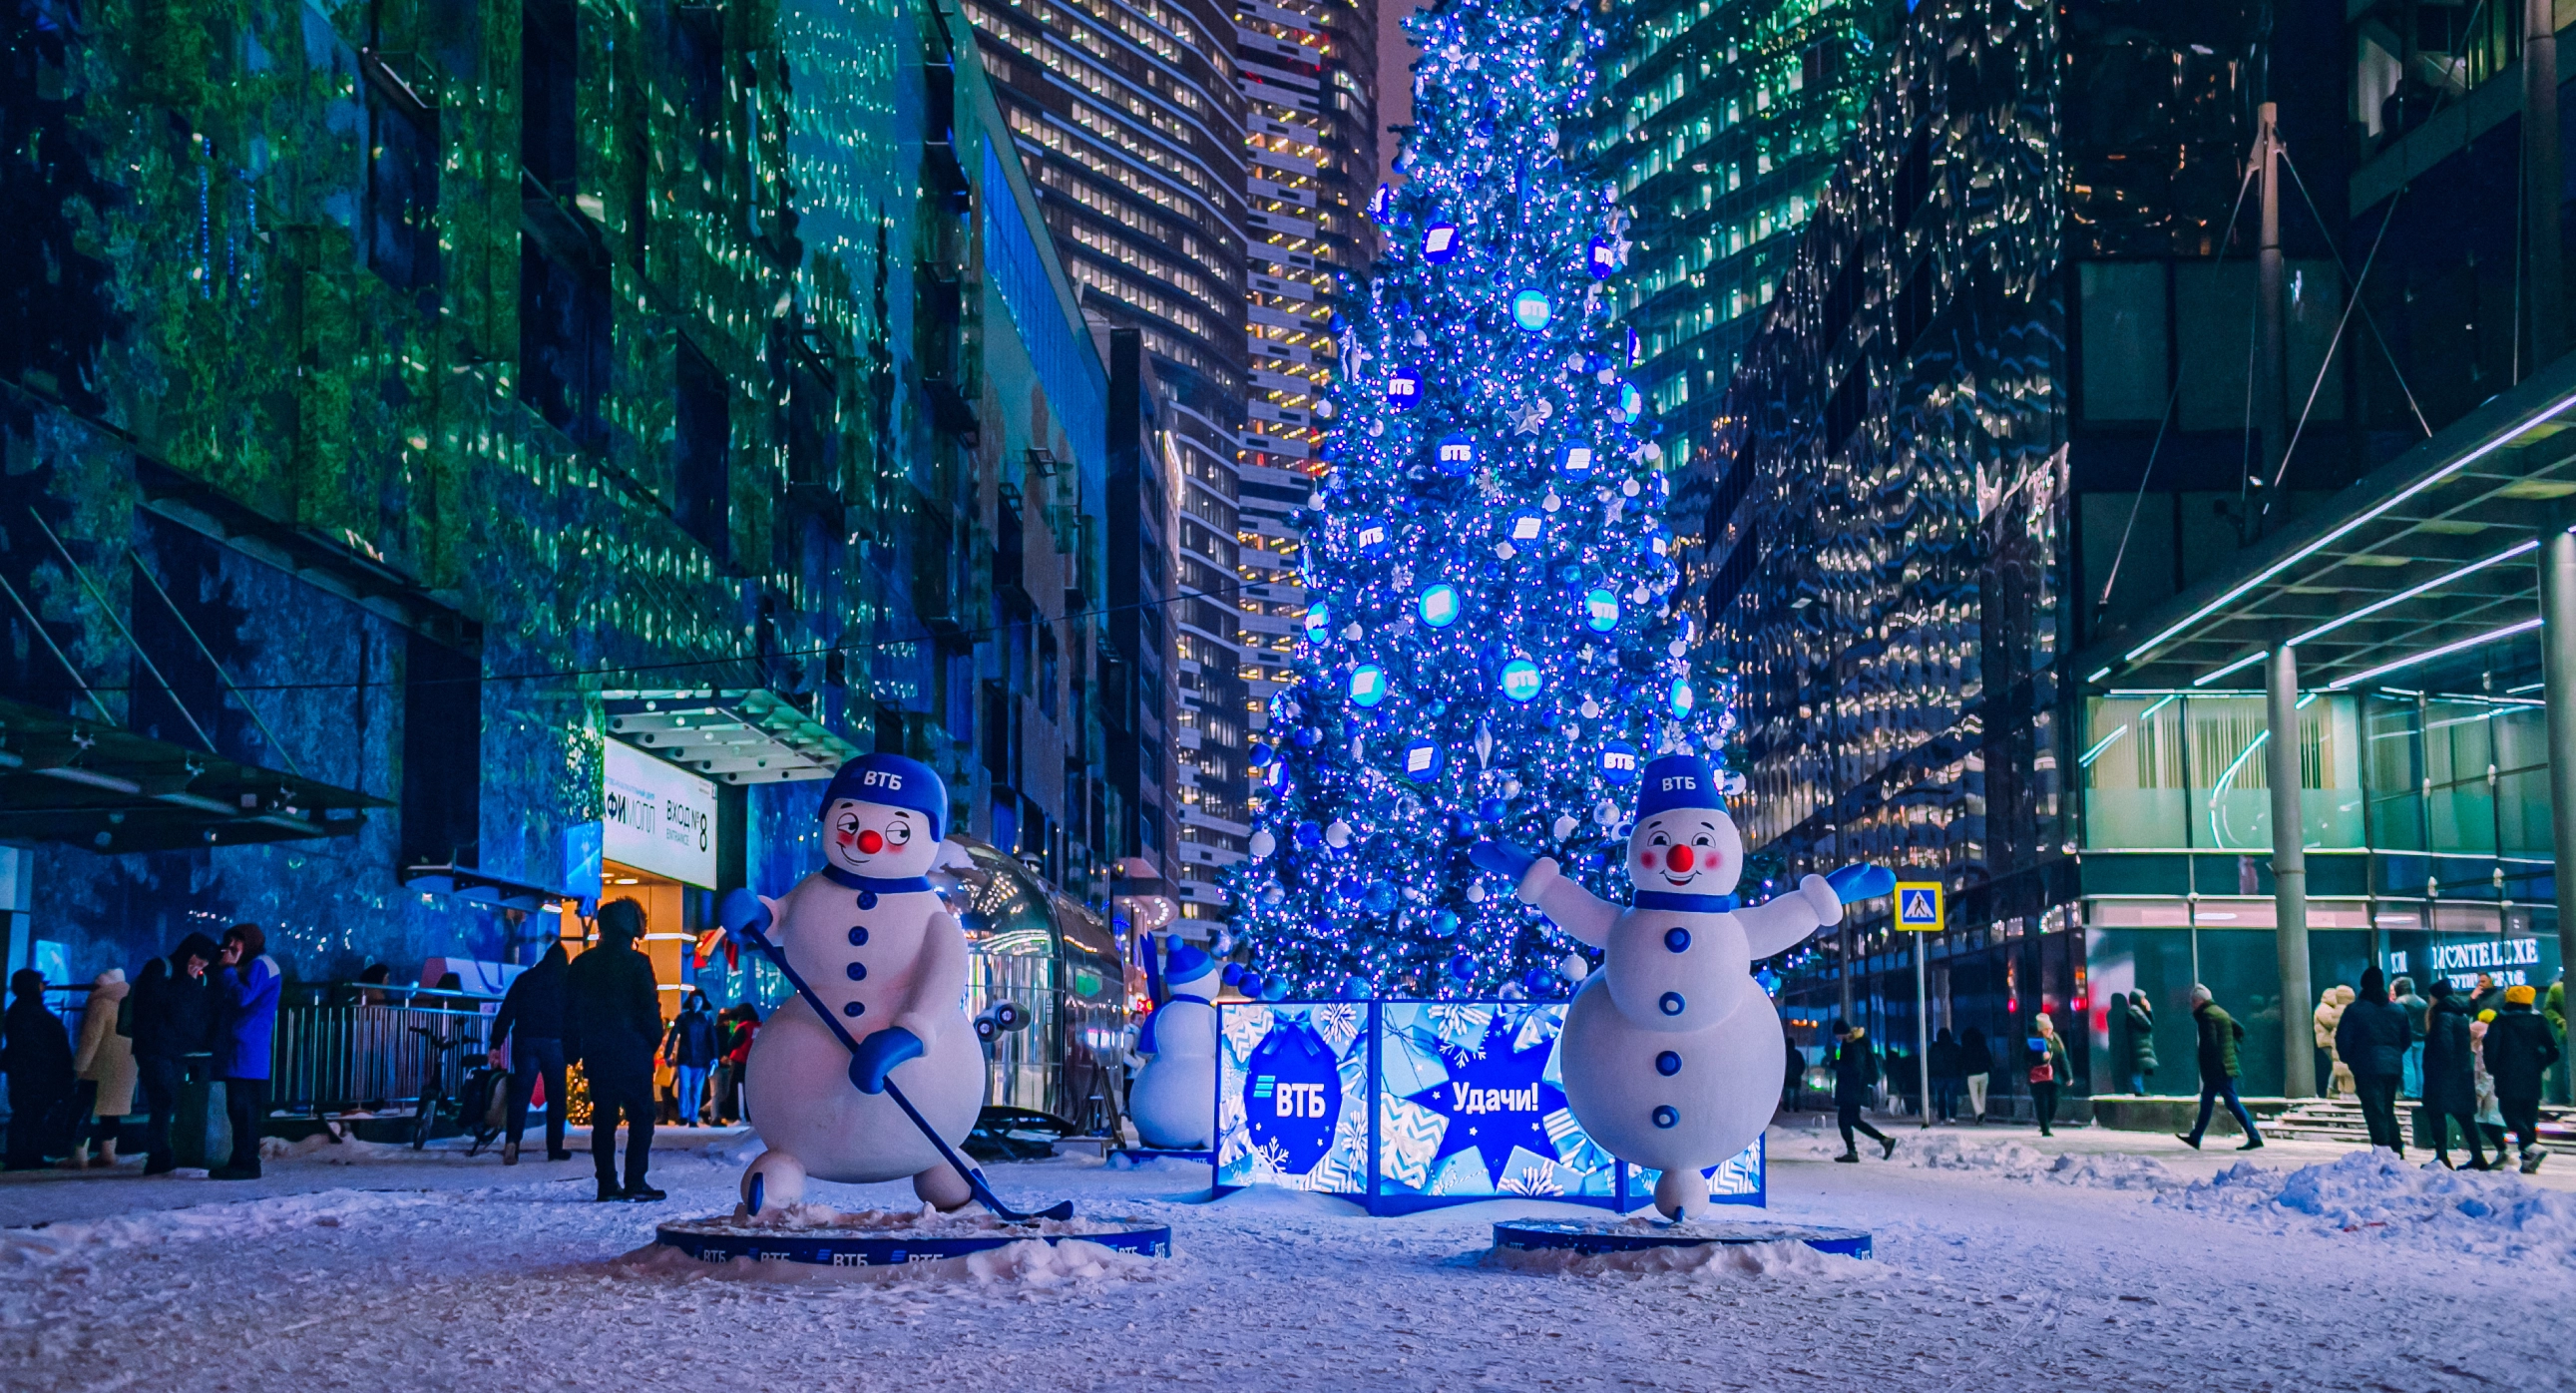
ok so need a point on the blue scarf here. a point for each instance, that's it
(1686, 904)
(1145, 1037)
(877, 884)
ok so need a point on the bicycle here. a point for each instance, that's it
(434, 1098)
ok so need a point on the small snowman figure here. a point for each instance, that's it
(1672, 1053)
(1174, 1098)
(877, 945)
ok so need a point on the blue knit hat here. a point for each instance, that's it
(1677, 781)
(894, 781)
(1184, 962)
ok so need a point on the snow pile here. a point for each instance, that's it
(1030, 1262)
(924, 1222)
(1712, 1261)
(2374, 1193)
(52, 1246)
(2015, 1160)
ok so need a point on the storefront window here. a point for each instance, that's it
(2168, 770)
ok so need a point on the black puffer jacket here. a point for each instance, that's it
(2372, 1038)
(2450, 1064)
(2519, 1051)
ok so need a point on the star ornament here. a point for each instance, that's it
(1495, 1101)
(1530, 415)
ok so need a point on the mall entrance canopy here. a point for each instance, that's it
(2452, 561)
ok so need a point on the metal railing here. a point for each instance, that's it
(334, 1058)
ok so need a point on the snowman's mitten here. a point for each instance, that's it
(878, 1055)
(1502, 858)
(1855, 883)
(1819, 895)
(742, 914)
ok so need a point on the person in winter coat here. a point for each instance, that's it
(2450, 1075)
(531, 1024)
(174, 1022)
(2325, 1019)
(2519, 1053)
(612, 1019)
(2218, 1033)
(1947, 1079)
(2490, 1117)
(2486, 995)
(2049, 1069)
(2419, 1018)
(690, 1047)
(104, 1060)
(1976, 1059)
(2141, 1017)
(2371, 1039)
(36, 1054)
(1855, 1069)
(246, 986)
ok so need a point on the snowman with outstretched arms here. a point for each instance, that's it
(1671, 1054)
(876, 944)
(1173, 1100)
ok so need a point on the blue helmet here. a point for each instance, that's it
(894, 781)
(1678, 781)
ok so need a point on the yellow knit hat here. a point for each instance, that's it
(2487, 1016)
(2518, 996)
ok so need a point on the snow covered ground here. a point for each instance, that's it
(2108, 1259)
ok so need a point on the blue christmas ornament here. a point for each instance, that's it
(1457, 455)
(1371, 537)
(1307, 737)
(1272, 989)
(1380, 898)
(1233, 974)
(1310, 834)
(1381, 205)
(1446, 921)
(1601, 611)
(1368, 684)
(1258, 755)
(1319, 621)
(1619, 763)
(1403, 388)
(1526, 527)
(1462, 967)
(1440, 606)
(1574, 460)
(1422, 760)
(1440, 242)
(1683, 697)
(1490, 809)
(1355, 987)
(1602, 257)
(1531, 310)
(1521, 679)
(1631, 401)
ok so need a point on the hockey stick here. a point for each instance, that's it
(983, 1190)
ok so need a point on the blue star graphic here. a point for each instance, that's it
(1495, 1101)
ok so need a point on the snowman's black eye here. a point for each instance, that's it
(1701, 840)
(899, 833)
(1661, 839)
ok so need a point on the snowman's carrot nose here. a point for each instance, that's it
(1680, 859)
(870, 843)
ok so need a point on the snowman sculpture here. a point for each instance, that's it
(1174, 1098)
(1671, 1054)
(876, 945)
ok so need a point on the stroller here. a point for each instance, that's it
(485, 1109)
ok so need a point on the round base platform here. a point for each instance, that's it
(1589, 1237)
(722, 1240)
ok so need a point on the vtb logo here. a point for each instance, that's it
(881, 778)
(1291, 1099)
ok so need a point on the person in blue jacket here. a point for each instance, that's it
(247, 982)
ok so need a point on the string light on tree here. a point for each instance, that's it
(1491, 648)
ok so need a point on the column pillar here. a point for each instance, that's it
(2289, 870)
(2558, 673)
(2541, 174)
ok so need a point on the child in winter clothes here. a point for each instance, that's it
(105, 1061)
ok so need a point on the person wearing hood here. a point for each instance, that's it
(2140, 1015)
(173, 1032)
(2519, 1052)
(691, 1047)
(2450, 1075)
(247, 984)
(104, 1059)
(2048, 1071)
(2371, 1040)
(531, 1023)
(612, 1020)
(1855, 1069)
(2218, 1032)
(36, 1054)
(2419, 1019)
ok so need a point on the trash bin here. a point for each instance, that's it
(201, 1134)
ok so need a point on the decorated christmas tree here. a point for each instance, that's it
(1491, 648)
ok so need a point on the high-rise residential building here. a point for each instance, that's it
(1130, 120)
(1721, 122)
(1309, 74)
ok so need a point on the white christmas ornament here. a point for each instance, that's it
(1672, 1053)
(1338, 835)
(1174, 1097)
(878, 947)
(1573, 967)
(1261, 844)
(1564, 826)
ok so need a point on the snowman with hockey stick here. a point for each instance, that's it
(1671, 1054)
(867, 938)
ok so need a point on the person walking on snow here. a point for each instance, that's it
(691, 1047)
(612, 1018)
(1855, 1069)
(2140, 1014)
(246, 987)
(2419, 1018)
(105, 1062)
(2049, 1070)
(531, 1022)
(2371, 1040)
(2519, 1053)
(2218, 1034)
(1946, 1077)
(36, 1054)
(174, 1023)
(2451, 1076)
(1976, 1060)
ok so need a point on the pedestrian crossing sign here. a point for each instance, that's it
(1918, 906)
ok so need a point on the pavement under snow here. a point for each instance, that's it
(2005, 1261)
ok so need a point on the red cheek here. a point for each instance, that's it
(870, 843)
(1646, 859)
(844, 838)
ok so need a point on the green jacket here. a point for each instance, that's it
(2219, 1033)
(2554, 1006)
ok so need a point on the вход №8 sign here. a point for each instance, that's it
(656, 816)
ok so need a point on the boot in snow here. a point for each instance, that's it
(2188, 1139)
(1889, 1143)
(2532, 1156)
(1849, 1158)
